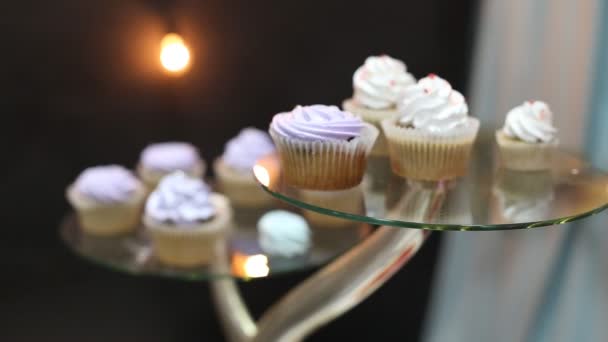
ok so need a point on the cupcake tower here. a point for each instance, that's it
(426, 131)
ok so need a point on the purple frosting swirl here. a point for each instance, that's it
(317, 122)
(242, 151)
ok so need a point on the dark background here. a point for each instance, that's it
(81, 85)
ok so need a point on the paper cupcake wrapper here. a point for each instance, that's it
(240, 187)
(424, 156)
(190, 246)
(107, 219)
(325, 165)
(374, 117)
(523, 156)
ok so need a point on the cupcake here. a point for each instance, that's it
(283, 234)
(322, 147)
(528, 139)
(185, 220)
(234, 169)
(108, 200)
(161, 159)
(432, 137)
(378, 86)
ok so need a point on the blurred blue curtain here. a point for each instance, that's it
(546, 284)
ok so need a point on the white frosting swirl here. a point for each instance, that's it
(283, 233)
(380, 82)
(433, 106)
(170, 156)
(180, 199)
(107, 184)
(531, 122)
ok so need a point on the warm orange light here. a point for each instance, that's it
(262, 175)
(250, 266)
(174, 54)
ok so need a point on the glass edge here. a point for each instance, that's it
(433, 227)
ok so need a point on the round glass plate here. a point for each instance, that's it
(238, 256)
(489, 197)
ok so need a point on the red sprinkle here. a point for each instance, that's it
(431, 75)
(393, 83)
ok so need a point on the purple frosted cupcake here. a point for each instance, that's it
(108, 200)
(185, 220)
(322, 147)
(160, 159)
(234, 169)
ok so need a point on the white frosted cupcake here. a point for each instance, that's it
(378, 86)
(161, 159)
(185, 220)
(528, 139)
(432, 137)
(322, 147)
(284, 234)
(234, 169)
(108, 200)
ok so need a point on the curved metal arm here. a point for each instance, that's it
(340, 285)
(327, 294)
(236, 320)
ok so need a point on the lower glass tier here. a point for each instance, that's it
(489, 197)
(238, 256)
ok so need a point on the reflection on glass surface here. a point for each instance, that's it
(134, 254)
(524, 196)
(250, 266)
(486, 199)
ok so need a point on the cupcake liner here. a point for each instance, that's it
(347, 201)
(421, 155)
(102, 219)
(240, 187)
(374, 117)
(151, 177)
(523, 156)
(193, 245)
(325, 165)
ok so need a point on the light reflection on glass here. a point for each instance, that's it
(262, 175)
(250, 266)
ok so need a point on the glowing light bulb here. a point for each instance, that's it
(250, 266)
(174, 54)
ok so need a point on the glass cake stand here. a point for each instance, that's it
(489, 197)
(134, 254)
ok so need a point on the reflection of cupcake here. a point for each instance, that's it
(185, 220)
(433, 136)
(108, 200)
(527, 142)
(524, 196)
(348, 201)
(434, 203)
(234, 169)
(284, 234)
(322, 147)
(159, 160)
(378, 85)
